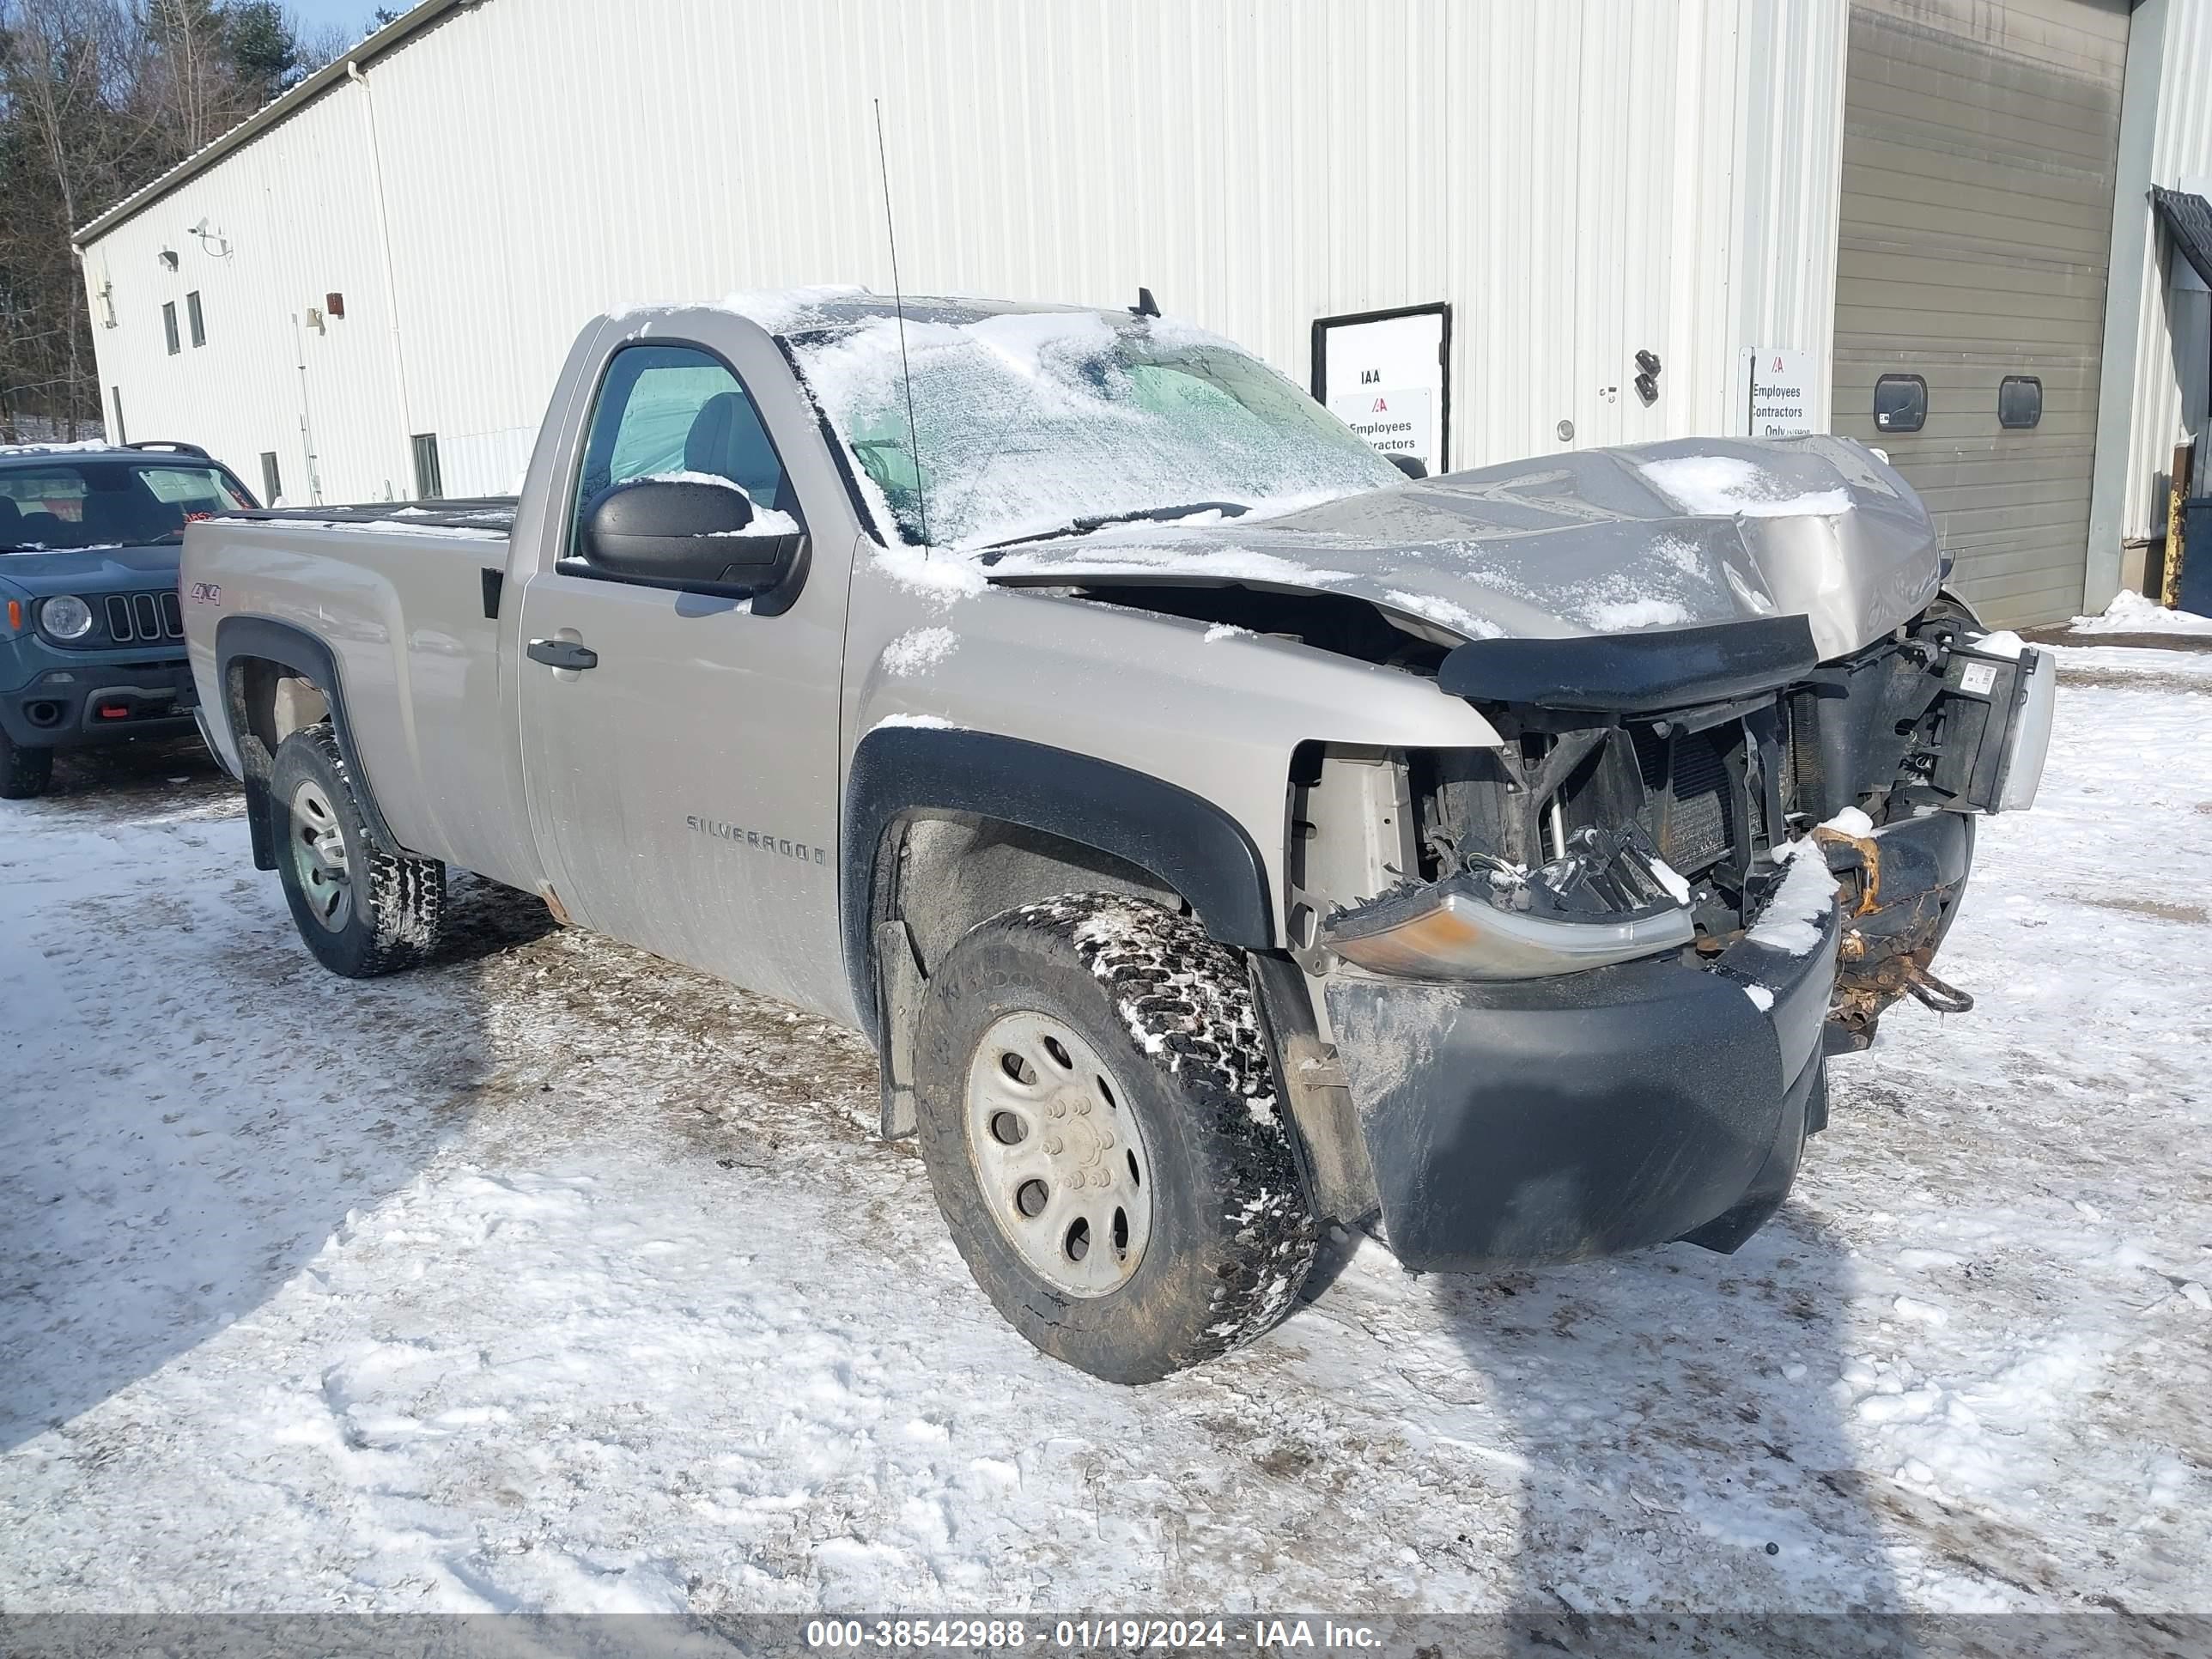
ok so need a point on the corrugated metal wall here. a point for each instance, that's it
(2181, 158)
(1580, 179)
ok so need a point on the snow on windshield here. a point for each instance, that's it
(1030, 421)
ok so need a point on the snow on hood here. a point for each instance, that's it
(1672, 535)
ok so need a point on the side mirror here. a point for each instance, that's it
(685, 533)
(1412, 465)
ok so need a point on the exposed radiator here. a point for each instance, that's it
(1692, 811)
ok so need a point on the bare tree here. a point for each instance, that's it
(96, 98)
(57, 150)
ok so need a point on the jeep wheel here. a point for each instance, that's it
(362, 911)
(1100, 1122)
(24, 771)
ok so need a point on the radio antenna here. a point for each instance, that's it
(898, 302)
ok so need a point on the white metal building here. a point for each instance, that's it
(367, 290)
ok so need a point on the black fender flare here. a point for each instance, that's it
(1186, 841)
(289, 645)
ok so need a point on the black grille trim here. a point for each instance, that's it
(144, 619)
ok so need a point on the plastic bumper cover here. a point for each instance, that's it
(1549, 1120)
(96, 701)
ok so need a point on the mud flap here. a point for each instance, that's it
(899, 984)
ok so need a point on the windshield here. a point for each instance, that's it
(59, 506)
(1032, 420)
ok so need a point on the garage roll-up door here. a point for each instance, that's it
(1979, 145)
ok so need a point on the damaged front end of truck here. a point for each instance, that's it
(1596, 1012)
(1578, 988)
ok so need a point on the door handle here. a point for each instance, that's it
(563, 654)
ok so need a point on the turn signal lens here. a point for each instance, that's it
(15, 616)
(1452, 931)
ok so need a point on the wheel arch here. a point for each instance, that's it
(1047, 811)
(253, 654)
(1191, 846)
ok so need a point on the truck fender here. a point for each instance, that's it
(238, 639)
(1188, 841)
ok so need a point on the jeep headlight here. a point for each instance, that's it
(65, 617)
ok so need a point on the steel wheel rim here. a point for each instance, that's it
(319, 857)
(1058, 1155)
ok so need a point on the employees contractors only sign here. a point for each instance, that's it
(1387, 374)
(1778, 383)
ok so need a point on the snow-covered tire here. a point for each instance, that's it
(24, 771)
(1229, 1226)
(394, 908)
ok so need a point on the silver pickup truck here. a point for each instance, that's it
(1228, 840)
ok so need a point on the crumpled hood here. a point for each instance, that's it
(1679, 534)
(89, 570)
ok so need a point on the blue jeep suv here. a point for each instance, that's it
(92, 634)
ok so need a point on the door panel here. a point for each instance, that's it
(688, 780)
(684, 787)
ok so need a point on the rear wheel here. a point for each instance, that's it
(24, 771)
(361, 910)
(1100, 1122)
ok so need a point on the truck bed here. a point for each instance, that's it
(479, 515)
(405, 597)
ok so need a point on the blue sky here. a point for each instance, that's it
(315, 15)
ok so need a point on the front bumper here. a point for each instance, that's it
(1553, 1120)
(89, 699)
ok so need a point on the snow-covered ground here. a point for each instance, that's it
(553, 1277)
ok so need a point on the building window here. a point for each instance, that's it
(429, 485)
(169, 325)
(272, 486)
(2019, 402)
(192, 316)
(1901, 403)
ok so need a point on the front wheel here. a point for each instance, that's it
(24, 771)
(1101, 1126)
(361, 910)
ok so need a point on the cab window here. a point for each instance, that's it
(665, 410)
